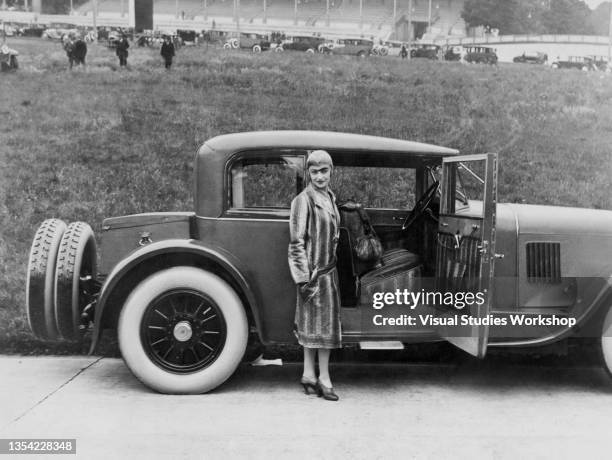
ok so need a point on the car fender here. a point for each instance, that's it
(226, 261)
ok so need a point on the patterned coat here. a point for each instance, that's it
(314, 229)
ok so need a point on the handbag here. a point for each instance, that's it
(367, 246)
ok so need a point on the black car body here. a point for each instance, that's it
(302, 43)
(480, 55)
(425, 51)
(532, 58)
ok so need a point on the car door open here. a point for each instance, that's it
(466, 249)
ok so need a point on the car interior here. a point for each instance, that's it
(404, 220)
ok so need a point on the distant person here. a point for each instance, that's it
(167, 51)
(403, 52)
(122, 50)
(76, 50)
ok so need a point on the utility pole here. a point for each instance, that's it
(361, 14)
(327, 14)
(429, 19)
(409, 29)
(295, 13)
(95, 17)
(610, 36)
(265, 17)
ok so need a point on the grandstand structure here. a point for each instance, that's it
(406, 20)
(398, 19)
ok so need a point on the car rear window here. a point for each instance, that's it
(266, 182)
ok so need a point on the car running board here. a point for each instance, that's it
(388, 345)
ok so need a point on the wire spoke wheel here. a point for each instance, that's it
(183, 331)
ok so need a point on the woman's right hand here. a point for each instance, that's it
(307, 291)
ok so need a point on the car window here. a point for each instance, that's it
(375, 187)
(266, 182)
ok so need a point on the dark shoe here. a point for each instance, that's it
(326, 392)
(308, 384)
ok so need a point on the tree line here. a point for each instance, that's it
(538, 16)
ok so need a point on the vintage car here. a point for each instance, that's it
(389, 48)
(480, 55)
(428, 51)
(453, 53)
(255, 42)
(534, 57)
(183, 289)
(601, 62)
(361, 47)
(307, 43)
(584, 63)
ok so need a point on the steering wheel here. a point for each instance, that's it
(421, 205)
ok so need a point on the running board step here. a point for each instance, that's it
(388, 345)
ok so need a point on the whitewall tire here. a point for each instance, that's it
(183, 330)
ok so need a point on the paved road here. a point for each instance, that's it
(472, 410)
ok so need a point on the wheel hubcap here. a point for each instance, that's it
(182, 331)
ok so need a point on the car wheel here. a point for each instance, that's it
(183, 330)
(555, 66)
(40, 284)
(383, 51)
(585, 69)
(234, 43)
(310, 50)
(227, 46)
(361, 54)
(76, 267)
(256, 49)
(278, 49)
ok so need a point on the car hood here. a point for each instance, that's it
(559, 220)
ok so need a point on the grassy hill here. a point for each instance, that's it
(88, 144)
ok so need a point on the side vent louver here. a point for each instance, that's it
(544, 263)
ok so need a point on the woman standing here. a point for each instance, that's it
(314, 229)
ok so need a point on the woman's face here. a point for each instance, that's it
(320, 176)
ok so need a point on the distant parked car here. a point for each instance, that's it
(583, 63)
(452, 53)
(306, 43)
(189, 37)
(601, 62)
(255, 42)
(429, 51)
(480, 55)
(390, 48)
(535, 57)
(361, 47)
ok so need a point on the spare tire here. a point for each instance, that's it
(76, 263)
(40, 285)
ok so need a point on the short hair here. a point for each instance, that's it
(319, 158)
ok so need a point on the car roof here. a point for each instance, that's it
(258, 140)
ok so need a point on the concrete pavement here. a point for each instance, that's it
(473, 410)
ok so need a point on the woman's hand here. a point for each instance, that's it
(306, 291)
